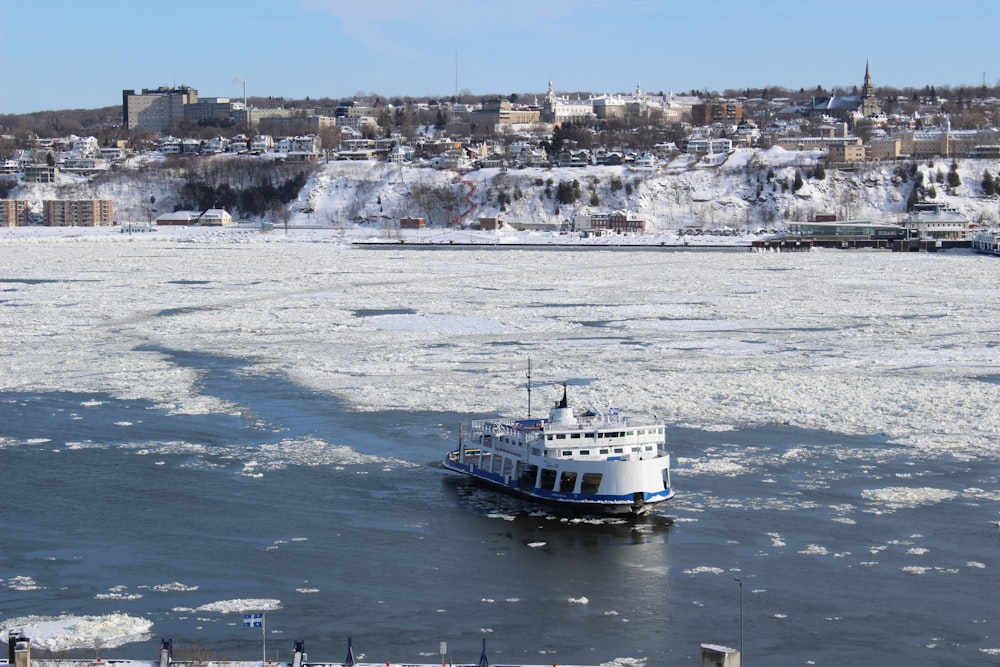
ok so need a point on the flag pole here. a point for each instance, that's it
(263, 638)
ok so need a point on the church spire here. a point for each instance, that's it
(869, 103)
(867, 90)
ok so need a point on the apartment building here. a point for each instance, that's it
(78, 212)
(13, 212)
(725, 111)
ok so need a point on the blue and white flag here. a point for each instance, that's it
(253, 620)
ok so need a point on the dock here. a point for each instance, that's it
(19, 648)
(806, 244)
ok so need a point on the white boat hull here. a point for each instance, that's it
(621, 498)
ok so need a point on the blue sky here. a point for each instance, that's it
(63, 54)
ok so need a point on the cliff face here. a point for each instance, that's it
(747, 190)
(751, 189)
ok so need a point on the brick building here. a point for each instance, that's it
(78, 212)
(723, 111)
(13, 212)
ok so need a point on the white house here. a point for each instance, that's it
(215, 217)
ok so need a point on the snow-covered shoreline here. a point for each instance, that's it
(752, 189)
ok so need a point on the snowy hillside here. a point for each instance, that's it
(751, 189)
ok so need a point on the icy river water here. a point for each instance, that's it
(189, 422)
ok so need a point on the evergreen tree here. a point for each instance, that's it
(797, 183)
(954, 180)
(558, 137)
(989, 186)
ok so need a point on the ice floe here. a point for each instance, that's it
(240, 605)
(901, 358)
(899, 497)
(22, 583)
(63, 633)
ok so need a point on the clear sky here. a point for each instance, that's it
(64, 54)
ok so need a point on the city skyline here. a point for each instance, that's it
(67, 55)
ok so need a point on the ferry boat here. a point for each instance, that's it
(587, 462)
(987, 242)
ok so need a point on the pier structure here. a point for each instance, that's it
(20, 656)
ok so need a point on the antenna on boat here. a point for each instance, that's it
(529, 387)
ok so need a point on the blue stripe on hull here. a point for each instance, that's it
(556, 497)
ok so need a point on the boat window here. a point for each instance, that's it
(497, 464)
(584, 452)
(548, 437)
(548, 479)
(508, 468)
(618, 450)
(604, 451)
(566, 452)
(526, 474)
(560, 436)
(591, 483)
(567, 483)
(574, 435)
(649, 448)
(629, 432)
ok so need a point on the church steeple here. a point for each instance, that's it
(867, 90)
(869, 103)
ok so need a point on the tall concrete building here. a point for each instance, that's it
(156, 110)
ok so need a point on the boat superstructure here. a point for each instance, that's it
(987, 242)
(588, 461)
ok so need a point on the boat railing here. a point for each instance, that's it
(495, 426)
(536, 430)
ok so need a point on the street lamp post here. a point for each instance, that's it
(740, 582)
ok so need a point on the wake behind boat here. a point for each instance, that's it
(590, 462)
